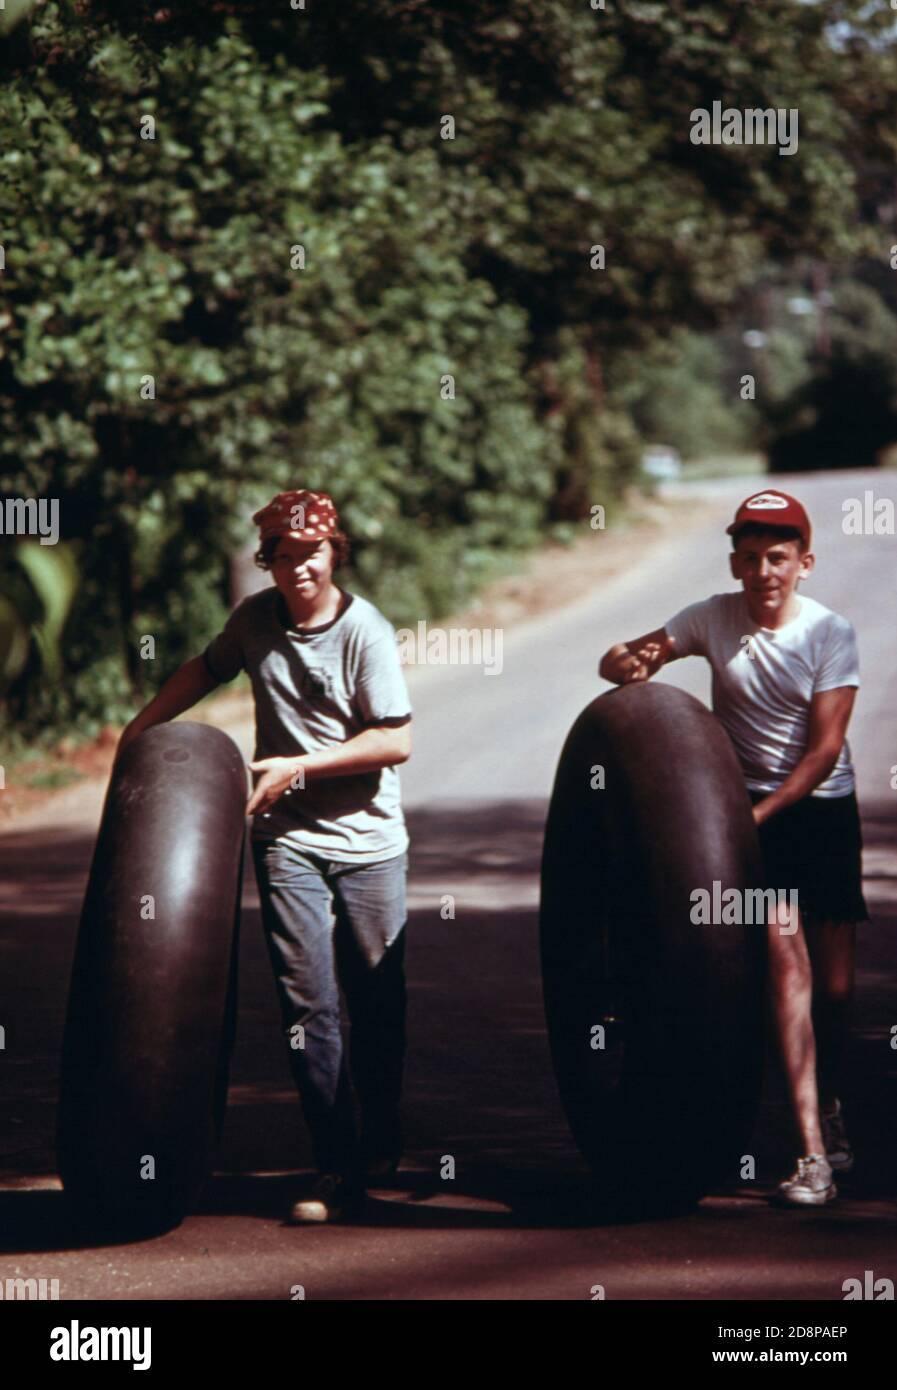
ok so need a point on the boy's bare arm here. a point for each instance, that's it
(374, 748)
(830, 712)
(639, 659)
(180, 692)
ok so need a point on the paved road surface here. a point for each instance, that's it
(479, 1087)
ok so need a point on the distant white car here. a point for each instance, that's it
(662, 462)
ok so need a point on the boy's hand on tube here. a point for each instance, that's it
(623, 666)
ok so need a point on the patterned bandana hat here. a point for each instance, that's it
(309, 516)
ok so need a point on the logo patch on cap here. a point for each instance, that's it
(766, 501)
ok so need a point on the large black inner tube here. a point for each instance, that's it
(664, 1109)
(151, 1012)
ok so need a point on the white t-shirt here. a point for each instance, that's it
(764, 679)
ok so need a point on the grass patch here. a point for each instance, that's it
(48, 778)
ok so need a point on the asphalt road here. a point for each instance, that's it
(513, 1222)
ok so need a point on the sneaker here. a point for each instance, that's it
(837, 1145)
(332, 1198)
(810, 1185)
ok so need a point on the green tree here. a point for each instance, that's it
(166, 363)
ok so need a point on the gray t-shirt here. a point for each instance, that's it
(315, 689)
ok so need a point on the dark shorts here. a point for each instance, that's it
(816, 847)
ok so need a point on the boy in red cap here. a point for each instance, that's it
(785, 676)
(328, 838)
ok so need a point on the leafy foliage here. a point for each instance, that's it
(166, 364)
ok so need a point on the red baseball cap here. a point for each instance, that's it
(773, 509)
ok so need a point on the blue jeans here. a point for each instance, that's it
(329, 924)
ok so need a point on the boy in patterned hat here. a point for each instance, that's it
(785, 676)
(333, 720)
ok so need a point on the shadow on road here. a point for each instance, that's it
(479, 1087)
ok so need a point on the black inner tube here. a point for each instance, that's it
(665, 1107)
(151, 1011)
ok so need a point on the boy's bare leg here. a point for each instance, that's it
(832, 948)
(790, 1000)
